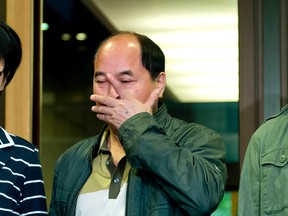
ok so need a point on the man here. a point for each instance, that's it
(144, 162)
(21, 182)
(264, 175)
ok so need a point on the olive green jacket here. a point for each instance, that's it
(264, 175)
(177, 168)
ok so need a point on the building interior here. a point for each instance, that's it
(215, 63)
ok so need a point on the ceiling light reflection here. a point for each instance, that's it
(44, 26)
(200, 46)
(65, 37)
(81, 36)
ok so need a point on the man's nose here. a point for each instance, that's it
(112, 92)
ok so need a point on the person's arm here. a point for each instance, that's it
(190, 170)
(249, 186)
(33, 192)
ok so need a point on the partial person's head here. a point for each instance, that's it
(10, 54)
(135, 60)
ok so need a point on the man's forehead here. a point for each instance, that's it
(128, 40)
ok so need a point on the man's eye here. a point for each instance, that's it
(126, 81)
(100, 81)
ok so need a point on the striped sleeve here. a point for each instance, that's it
(33, 199)
(21, 182)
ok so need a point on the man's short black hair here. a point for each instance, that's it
(10, 50)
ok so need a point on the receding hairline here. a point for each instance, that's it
(117, 35)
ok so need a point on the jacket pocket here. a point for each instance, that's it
(274, 181)
(155, 200)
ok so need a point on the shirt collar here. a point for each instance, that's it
(103, 142)
(5, 139)
(161, 116)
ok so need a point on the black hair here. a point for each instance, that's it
(152, 56)
(10, 50)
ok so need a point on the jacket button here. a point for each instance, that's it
(282, 158)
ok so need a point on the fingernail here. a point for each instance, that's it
(93, 96)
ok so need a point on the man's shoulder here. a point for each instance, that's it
(23, 142)
(282, 114)
(194, 127)
(273, 130)
(75, 161)
(276, 121)
(9, 140)
(193, 131)
(80, 149)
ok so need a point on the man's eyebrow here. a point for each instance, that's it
(122, 73)
(127, 72)
(99, 73)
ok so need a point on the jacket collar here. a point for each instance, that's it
(96, 146)
(5, 139)
(161, 116)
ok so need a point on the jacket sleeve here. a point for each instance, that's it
(249, 186)
(189, 162)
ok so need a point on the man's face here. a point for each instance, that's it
(120, 56)
(2, 78)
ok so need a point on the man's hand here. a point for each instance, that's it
(117, 111)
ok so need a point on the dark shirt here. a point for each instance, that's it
(21, 183)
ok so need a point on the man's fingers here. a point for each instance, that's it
(115, 83)
(123, 92)
(108, 101)
(102, 110)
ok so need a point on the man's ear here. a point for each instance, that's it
(2, 64)
(161, 82)
(3, 82)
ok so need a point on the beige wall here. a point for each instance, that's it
(18, 95)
